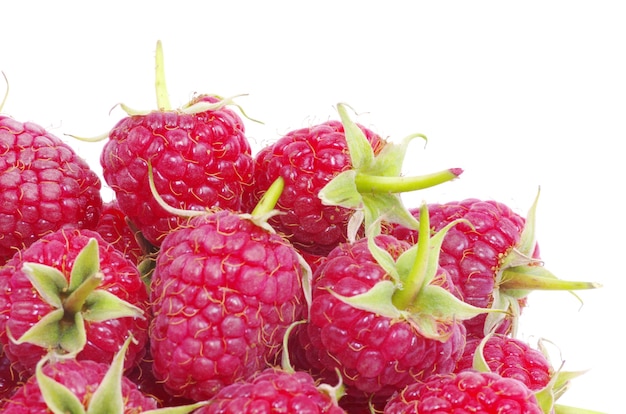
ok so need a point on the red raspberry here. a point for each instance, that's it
(511, 358)
(375, 354)
(200, 161)
(273, 391)
(94, 285)
(224, 291)
(492, 255)
(465, 392)
(44, 185)
(307, 159)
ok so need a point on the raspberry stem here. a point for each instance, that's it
(163, 100)
(366, 183)
(411, 286)
(75, 302)
(267, 203)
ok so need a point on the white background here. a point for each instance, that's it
(519, 95)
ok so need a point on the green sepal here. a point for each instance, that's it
(387, 205)
(479, 363)
(522, 254)
(390, 158)
(564, 409)
(436, 309)
(58, 398)
(86, 265)
(54, 333)
(102, 305)
(342, 191)
(361, 152)
(181, 409)
(383, 257)
(376, 300)
(519, 281)
(108, 396)
(45, 333)
(419, 265)
(48, 281)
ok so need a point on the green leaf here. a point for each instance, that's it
(86, 265)
(527, 241)
(383, 258)
(102, 305)
(58, 398)
(48, 281)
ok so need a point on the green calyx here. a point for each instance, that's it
(373, 186)
(519, 274)
(75, 302)
(414, 291)
(107, 397)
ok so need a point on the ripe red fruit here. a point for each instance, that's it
(383, 314)
(339, 178)
(307, 159)
(375, 354)
(224, 291)
(44, 185)
(200, 155)
(73, 293)
(492, 257)
(273, 391)
(509, 357)
(200, 161)
(143, 376)
(467, 391)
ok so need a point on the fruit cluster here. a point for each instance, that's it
(291, 280)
